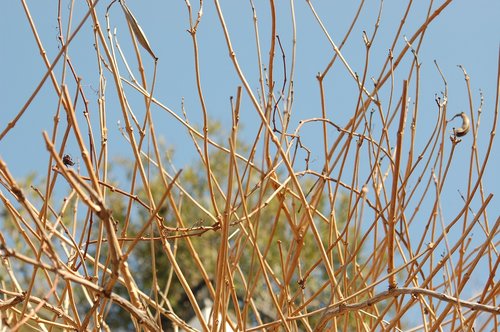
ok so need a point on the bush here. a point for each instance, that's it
(335, 207)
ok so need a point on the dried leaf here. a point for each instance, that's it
(136, 28)
(462, 131)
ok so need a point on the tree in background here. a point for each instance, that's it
(204, 241)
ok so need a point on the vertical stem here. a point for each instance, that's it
(394, 198)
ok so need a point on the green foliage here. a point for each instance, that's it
(197, 239)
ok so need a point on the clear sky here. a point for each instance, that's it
(466, 33)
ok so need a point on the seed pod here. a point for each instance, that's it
(462, 131)
(136, 28)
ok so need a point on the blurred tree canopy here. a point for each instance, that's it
(195, 239)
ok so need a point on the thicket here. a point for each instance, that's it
(334, 216)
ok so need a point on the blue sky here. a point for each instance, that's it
(466, 33)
